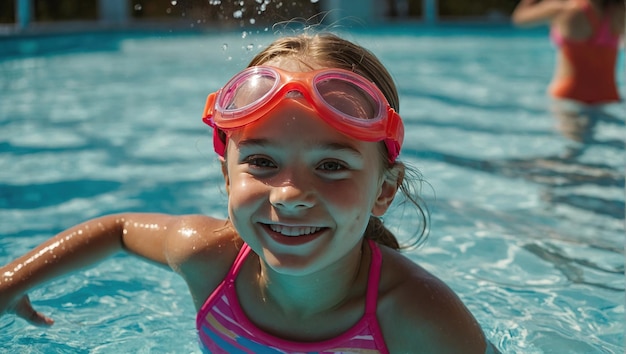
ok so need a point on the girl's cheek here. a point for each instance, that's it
(348, 195)
(245, 191)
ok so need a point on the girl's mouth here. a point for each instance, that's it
(294, 230)
(293, 235)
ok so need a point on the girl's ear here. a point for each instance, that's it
(225, 174)
(392, 181)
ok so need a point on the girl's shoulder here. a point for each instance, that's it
(418, 310)
(202, 249)
(191, 235)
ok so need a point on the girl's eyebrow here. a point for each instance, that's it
(322, 146)
(251, 143)
(339, 147)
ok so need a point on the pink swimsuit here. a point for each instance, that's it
(223, 326)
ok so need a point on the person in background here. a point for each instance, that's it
(587, 35)
(308, 137)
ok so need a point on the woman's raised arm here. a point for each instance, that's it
(535, 12)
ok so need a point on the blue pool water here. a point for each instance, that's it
(527, 225)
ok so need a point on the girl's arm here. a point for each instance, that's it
(145, 235)
(535, 12)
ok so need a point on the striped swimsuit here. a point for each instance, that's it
(223, 327)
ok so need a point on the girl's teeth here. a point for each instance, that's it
(294, 231)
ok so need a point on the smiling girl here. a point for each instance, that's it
(308, 137)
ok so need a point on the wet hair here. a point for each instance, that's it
(330, 50)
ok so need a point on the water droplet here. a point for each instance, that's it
(174, 2)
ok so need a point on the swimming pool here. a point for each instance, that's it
(527, 225)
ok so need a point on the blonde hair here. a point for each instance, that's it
(332, 51)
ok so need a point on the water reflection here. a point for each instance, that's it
(578, 123)
(575, 267)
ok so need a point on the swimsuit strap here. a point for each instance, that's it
(371, 298)
(237, 264)
(602, 34)
(601, 31)
(584, 5)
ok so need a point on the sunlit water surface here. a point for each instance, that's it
(527, 225)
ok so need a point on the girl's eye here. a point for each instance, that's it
(261, 162)
(331, 166)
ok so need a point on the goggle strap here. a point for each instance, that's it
(395, 127)
(218, 145)
(209, 106)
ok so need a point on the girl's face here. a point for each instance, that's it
(300, 192)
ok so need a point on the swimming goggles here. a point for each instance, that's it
(343, 99)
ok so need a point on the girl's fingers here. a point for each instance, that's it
(25, 310)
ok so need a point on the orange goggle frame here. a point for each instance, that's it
(343, 99)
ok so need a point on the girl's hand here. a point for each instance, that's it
(23, 308)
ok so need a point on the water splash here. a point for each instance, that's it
(253, 13)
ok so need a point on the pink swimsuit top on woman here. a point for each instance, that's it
(602, 34)
(223, 327)
(593, 60)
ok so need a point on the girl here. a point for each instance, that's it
(308, 138)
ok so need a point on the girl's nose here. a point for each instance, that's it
(292, 196)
